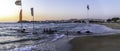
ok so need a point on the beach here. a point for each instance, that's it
(58, 41)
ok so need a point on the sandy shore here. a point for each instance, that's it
(96, 43)
(61, 44)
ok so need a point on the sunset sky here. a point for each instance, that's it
(59, 9)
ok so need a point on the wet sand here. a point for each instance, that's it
(96, 43)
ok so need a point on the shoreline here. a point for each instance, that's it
(96, 43)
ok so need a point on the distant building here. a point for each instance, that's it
(75, 21)
(89, 20)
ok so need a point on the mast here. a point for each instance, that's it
(88, 8)
(19, 3)
(32, 13)
(21, 17)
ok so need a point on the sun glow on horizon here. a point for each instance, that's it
(58, 9)
(8, 11)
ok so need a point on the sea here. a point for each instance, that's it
(11, 37)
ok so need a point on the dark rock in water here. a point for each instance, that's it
(88, 32)
(23, 30)
(78, 32)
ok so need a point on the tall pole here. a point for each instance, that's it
(87, 16)
(32, 13)
(88, 8)
(21, 17)
(33, 24)
(19, 3)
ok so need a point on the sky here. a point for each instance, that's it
(59, 9)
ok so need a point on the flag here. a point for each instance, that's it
(32, 11)
(20, 16)
(18, 2)
(88, 7)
